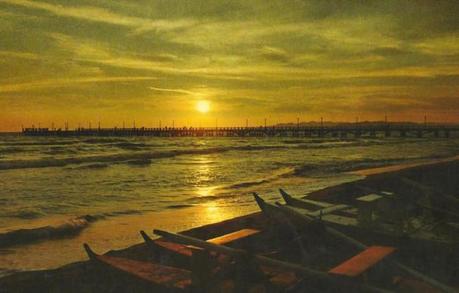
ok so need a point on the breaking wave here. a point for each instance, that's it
(67, 228)
(346, 166)
(131, 158)
(276, 175)
(24, 236)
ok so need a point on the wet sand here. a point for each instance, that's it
(399, 167)
(111, 234)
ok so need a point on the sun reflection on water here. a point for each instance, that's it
(215, 213)
(209, 211)
(204, 175)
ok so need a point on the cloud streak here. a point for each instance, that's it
(180, 91)
(95, 14)
(248, 57)
(55, 83)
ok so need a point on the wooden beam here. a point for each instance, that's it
(239, 253)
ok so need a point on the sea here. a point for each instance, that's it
(58, 192)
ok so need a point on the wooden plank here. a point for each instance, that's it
(303, 202)
(231, 237)
(363, 261)
(321, 212)
(174, 247)
(321, 204)
(269, 208)
(340, 220)
(285, 279)
(369, 197)
(263, 260)
(186, 250)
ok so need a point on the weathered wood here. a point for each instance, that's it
(363, 261)
(187, 250)
(303, 202)
(355, 243)
(429, 191)
(325, 208)
(165, 276)
(263, 260)
(234, 236)
(327, 216)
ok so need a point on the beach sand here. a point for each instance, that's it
(399, 167)
(112, 234)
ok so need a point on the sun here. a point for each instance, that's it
(203, 106)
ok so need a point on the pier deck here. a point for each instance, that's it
(270, 131)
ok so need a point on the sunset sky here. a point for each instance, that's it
(122, 60)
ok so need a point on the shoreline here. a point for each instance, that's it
(403, 166)
(116, 233)
(111, 233)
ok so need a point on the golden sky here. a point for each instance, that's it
(122, 60)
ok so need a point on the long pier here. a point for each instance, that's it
(343, 131)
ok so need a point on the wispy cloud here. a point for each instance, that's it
(180, 91)
(253, 57)
(21, 55)
(96, 14)
(54, 83)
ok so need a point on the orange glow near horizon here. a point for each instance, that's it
(197, 64)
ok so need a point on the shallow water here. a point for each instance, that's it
(49, 180)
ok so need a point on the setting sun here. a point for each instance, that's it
(203, 106)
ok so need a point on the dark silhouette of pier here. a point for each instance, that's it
(338, 130)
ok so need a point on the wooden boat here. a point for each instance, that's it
(262, 254)
(314, 256)
(171, 266)
(358, 264)
(414, 209)
(381, 218)
(158, 276)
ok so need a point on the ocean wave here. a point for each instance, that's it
(139, 162)
(122, 157)
(23, 236)
(178, 206)
(11, 150)
(354, 142)
(91, 166)
(337, 167)
(67, 228)
(119, 213)
(102, 140)
(276, 175)
(40, 143)
(28, 214)
(224, 192)
(337, 144)
(130, 145)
